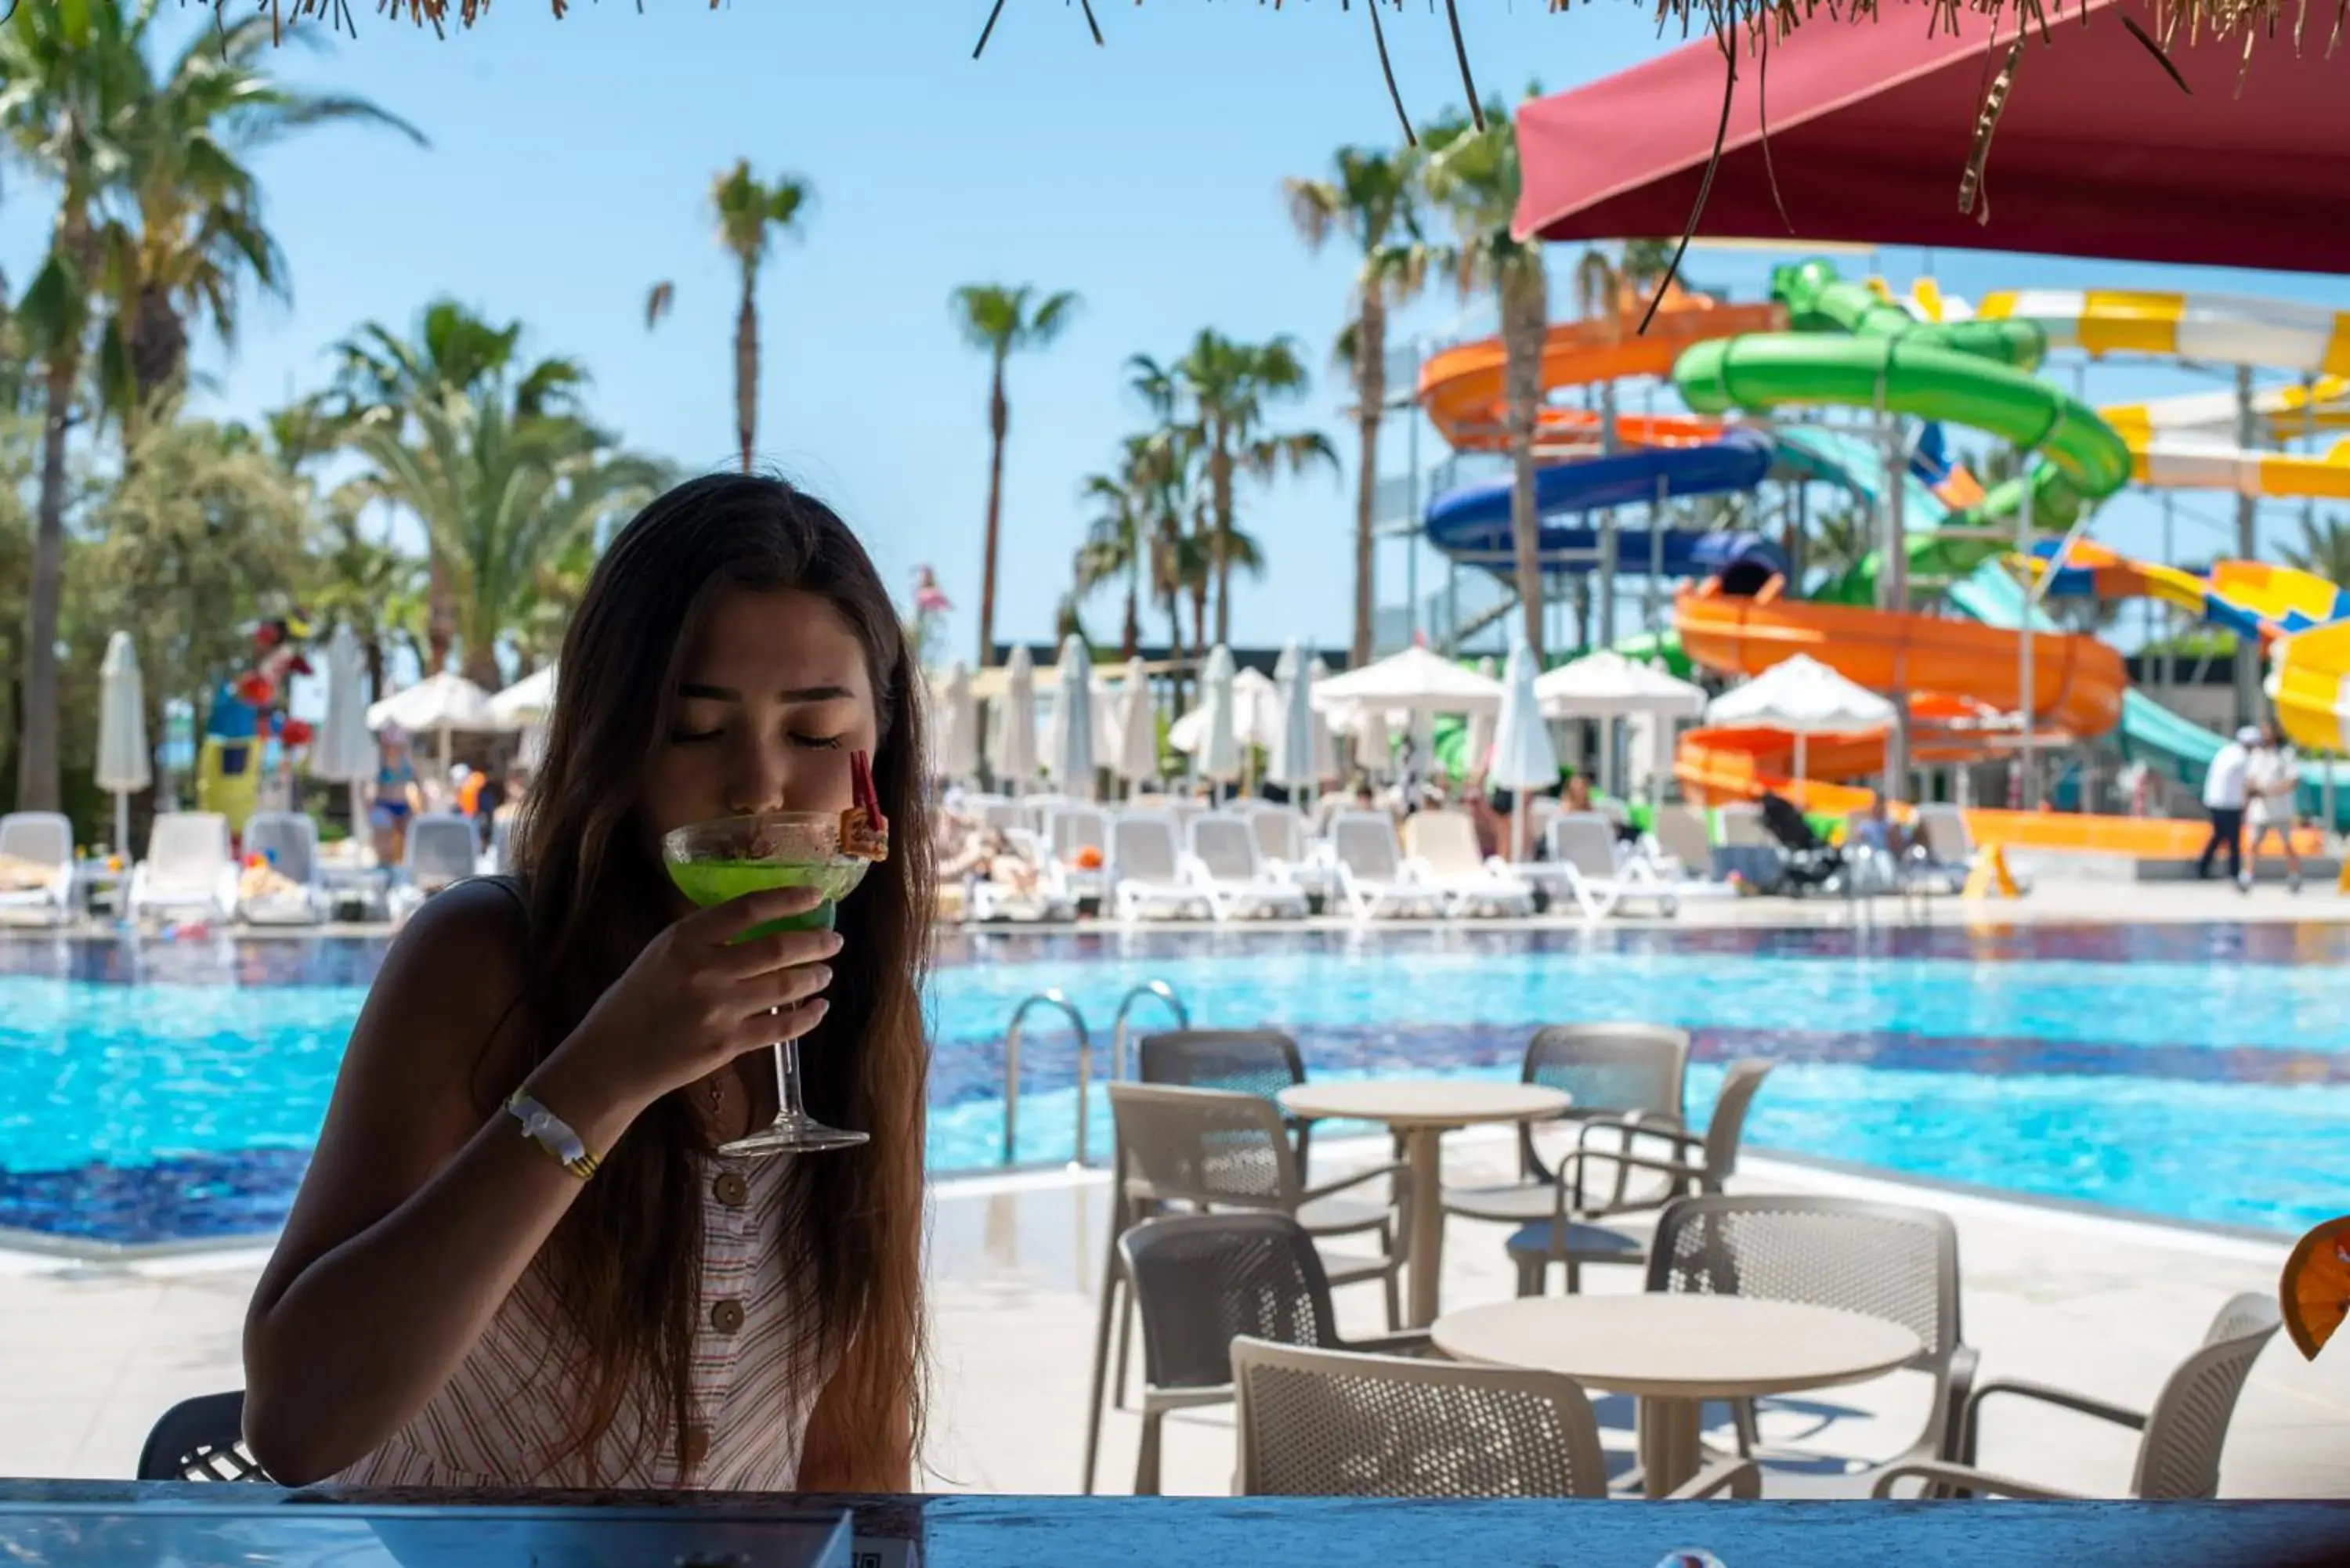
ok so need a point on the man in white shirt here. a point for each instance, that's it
(2224, 785)
(2270, 780)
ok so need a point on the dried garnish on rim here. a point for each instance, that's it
(864, 831)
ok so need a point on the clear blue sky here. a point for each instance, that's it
(570, 168)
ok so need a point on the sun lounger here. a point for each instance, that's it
(1374, 877)
(1146, 873)
(188, 870)
(1069, 832)
(442, 851)
(1950, 848)
(1582, 846)
(1679, 850)
(1224, 862)
(1281, 842)
(1445, 844)
(287, 890)
(36, 866)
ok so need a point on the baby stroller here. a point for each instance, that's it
(1807, 860)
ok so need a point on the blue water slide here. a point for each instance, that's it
(1471, 525)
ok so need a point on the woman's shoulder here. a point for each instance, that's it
(461, 957)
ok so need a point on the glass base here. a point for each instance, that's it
(790, 1133)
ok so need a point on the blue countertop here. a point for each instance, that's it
(64, 1524)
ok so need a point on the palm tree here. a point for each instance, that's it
(189, 233)
(1474, 175)
(749, 210)
(1001, 321)
(1217, 394)
(1374, 199)
(1114, 546)
(2323, 550)
(363, 582)
(502, 495)
(62, 69)
(395, 383)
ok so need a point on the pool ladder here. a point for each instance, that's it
(1057, 1000)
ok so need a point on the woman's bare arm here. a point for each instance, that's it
(418, 1215)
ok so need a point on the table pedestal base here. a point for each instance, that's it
(1669, 1455)
(1424, 1223)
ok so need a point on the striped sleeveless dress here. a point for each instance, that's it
(504, 1416)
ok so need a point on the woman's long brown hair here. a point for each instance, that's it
(625, 1264)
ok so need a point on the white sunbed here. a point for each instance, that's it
(1950, 851)
(1445, 844)
(289, 842)
(189, 867)
(1374, 877)
(1678, 848)
(1582, 846)
(36, 851)
(1281, 844)
(1070, 830)
(1226, 863)
(442, 850)
(1146, 872)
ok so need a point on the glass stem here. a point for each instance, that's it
(787, 1082)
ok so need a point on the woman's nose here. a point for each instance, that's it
(762, 781)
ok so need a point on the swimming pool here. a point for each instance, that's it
(152, 1091)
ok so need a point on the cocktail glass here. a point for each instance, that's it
(711, 862)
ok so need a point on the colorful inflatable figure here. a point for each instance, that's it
(246, 714)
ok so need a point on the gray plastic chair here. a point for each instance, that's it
(1202, 1280)
(2183, 1435)
(1881, 1259)
(201, 1439)
(1593, 1181)
(1632, 1070)
(1261, 1062)
(1199, 1149)
(1332, 1423)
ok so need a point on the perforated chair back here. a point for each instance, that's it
(1329, 1423)
(2186, 1430)
(1202, 1280)
(441, 849)
(1261, 1062)
(1610, 1069)
(1207, 1147)
(201, 1439)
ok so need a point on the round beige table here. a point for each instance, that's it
(1672, 1352)
(1423, 1110)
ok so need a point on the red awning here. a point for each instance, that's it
(2098, 154)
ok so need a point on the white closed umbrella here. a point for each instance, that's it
(1804, 698)
(1374, 742)
(1134, 756)
(954, 735)
(441, 704)
(1480, 727)
(1327, 762)
(1069, 760)
(1294, 764)
(1218, 756)
(345, 752)
(1256, 708)
(1524, 757)
(1013, 756)
(124, 766)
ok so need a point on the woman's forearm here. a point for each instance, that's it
(368, 1333)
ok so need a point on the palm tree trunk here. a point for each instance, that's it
(1132, 641)
(439, 614)
(1370, 397)
(482, 667)
(746, 367)
(1221, 472)
(1525, 311)
(38, 785)
(999, 424)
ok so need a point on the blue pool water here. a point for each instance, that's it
(2198, 1073)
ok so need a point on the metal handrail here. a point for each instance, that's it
(1054, 998)
(1121, 1069)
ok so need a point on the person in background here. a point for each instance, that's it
(1578, 793)
(2224, 785)
(397, 796)
(2271, 776)
(471, 783)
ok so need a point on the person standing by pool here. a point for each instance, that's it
(397, 796)
(2270, 778)
(517, 1259)
(2224, 782)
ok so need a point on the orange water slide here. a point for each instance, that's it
(1462, 389)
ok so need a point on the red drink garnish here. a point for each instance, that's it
(864, 831)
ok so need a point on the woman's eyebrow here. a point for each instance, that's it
(799, 694)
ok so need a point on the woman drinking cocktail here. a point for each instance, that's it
(524, 1254)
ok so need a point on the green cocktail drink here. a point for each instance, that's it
(714, 862)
